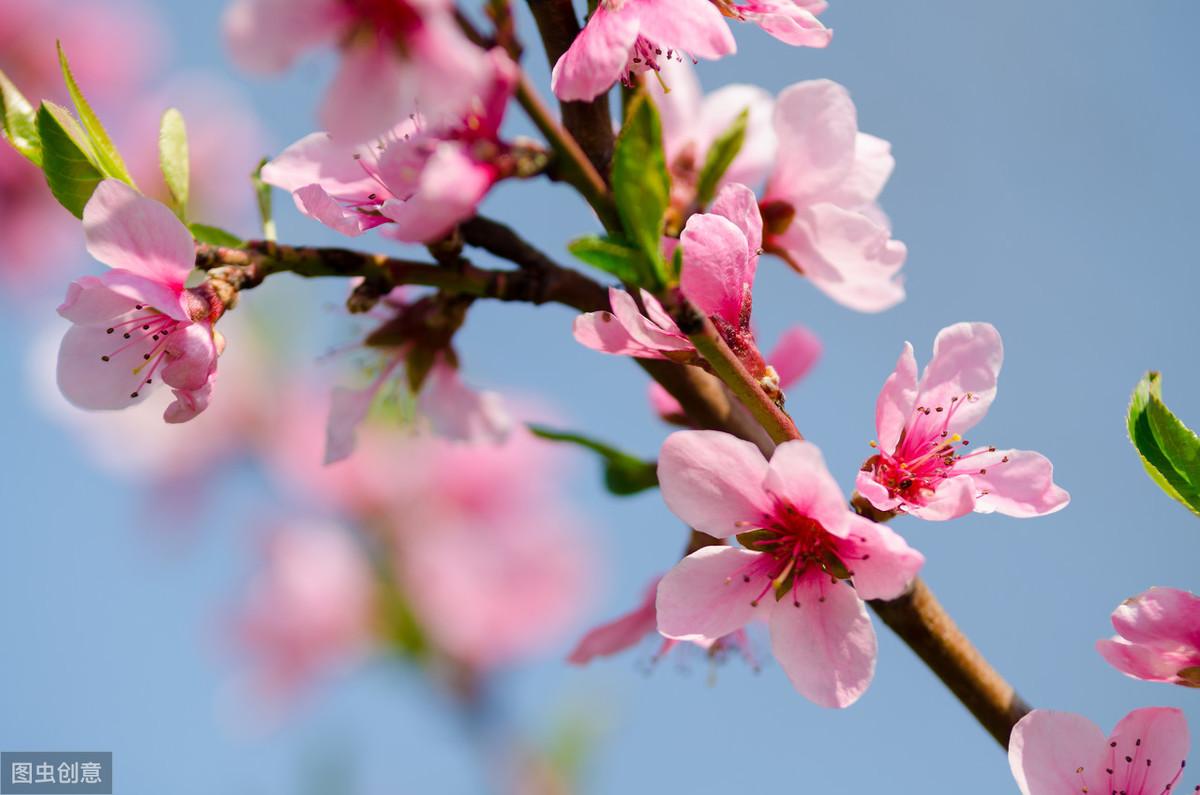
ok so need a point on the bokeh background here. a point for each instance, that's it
(1047, 163)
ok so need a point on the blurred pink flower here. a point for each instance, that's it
(398, 58)
(138, 319)
(1061, 753)
(420, 178)
(1158, 637)
(920, 468)
(309, 609)
(805, 567)
(820, 202)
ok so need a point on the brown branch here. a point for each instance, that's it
(589, 122)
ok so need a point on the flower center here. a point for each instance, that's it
(1127, 772)
(141, 342)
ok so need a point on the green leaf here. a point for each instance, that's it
(624, 474)
(642, 186)
(262, 192)
(1170, 450)
(610, 255)
(67, 160)
(173, 158)
(215, 236)
(107, 158)
(18, 122)
(720, 156)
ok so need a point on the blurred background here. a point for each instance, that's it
(1046, 163)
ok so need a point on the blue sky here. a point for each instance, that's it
(1046, 164)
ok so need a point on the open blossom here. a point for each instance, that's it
(793, 356)
(398, 58)
(419, 179)
(820, 201)
(1061, 753)
(1158, 637)
(309, 608)
(923, 467)
(805, 566)
(692, 121)
(138, 324)
(624, 38)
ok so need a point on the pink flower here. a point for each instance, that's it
(820, 203)
(793, 357)
(1060, 753)
(791, 21)
(138, 321)
(921, 468)
(419, 180)
(309, 608)
(692, 122)
(628, 37)
(399, 57)
(805, 565)
(720, 258)
(1158, 637)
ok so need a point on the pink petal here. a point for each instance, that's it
(1149, 663)
(883, 563)
(953, 497)
(457, 412)
(718, 270)
(1160, 615)
(188, 403)
(817, 125)
(739, 204)
(694, 26)
(966, 358)
(827, 645)
(705, 596)
(662, 402)
(620, 634)
(452, 184)
(846, 255)
(654, 310)
(601, 331)
(451, 74)
(372, 90)
(597, 57)
(348, 408)
(896, 400)
(713, 481)
(797, 352)
(126, 230)
(268, 35)
(191, 356)
(789, 22)
(873, 165)
(1046, 749)
(642, 329)
(1158, 734)
(317, 159)
(98, 300)
(678, 106)
(717, 114)
(1022, 486)
(316, 203)
(798, 475)
(876, 493)
(90, 383)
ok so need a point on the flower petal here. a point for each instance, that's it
(1046, 749)
(895, 403)
(713, 481)
(126, 230)
(827, 645)
(796, 352)
(348, 408)
(1160, 616)
(642, 329)
(954, 497)
(621, 633)
(966, 359)
(317, 159)
(1149, 663)
(316, 203)
(883, 563)
(718, 270)
(601, 331)
(451, 186)
(876, 493)
(798, 476)
(705, 596)
(191, 356)
(87, 381)
(739, 204)
(1017, 483)
(457, 412)
(789, 22)
(597, 57)
(1157, 734)
(694, 26)
(188, 403)
(817, 125)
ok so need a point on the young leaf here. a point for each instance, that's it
(641, 184)
(18, 122)
(262, 192)
(173, 158)
(624, 474)
(67, 160)
(215, 236)
(107, 158)
(609, 255)
(720, 157)
(1170, 450)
